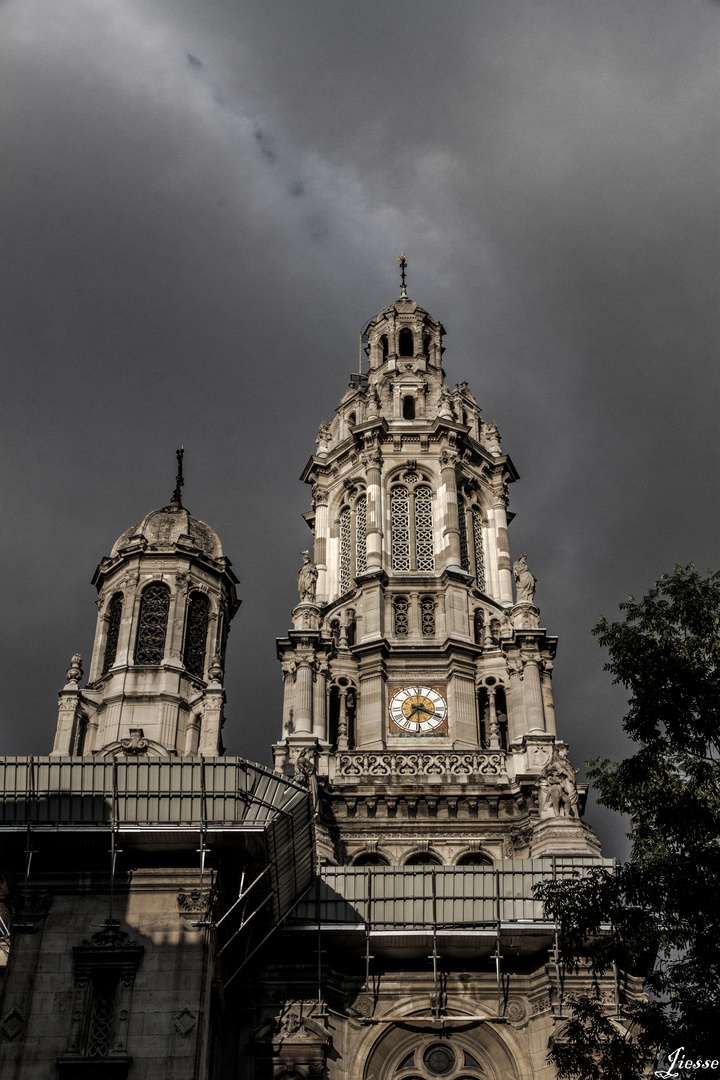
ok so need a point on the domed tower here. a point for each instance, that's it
(166, 595)
(417, 686)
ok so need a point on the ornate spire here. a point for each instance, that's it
(402, 263)
(179, 481)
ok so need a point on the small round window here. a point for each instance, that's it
(438, 1059)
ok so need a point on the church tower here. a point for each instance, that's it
(166, 595)
(418, 683)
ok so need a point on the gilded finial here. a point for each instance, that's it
(402, 263)
(179, 481)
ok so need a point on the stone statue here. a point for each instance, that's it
(307, 579)
(492, 438)
(558, 787)
(446, 406)
(525, 582)
(324, 439)
(305, 774)
(373, 403)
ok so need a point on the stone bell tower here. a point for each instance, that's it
(166, 595)
(418, 688)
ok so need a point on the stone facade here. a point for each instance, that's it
(365, 912)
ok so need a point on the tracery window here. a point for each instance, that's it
(401, 610)
(361, 535)
(152, 628)
(345, 534)
(196, 634)
(478, 547)
(400, 518)
(424, 544)
(113, 631)
(464, 550)
(446, 1060)
(353, 542)
(412, 543)
(427, 616)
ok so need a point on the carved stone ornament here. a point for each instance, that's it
(358, 764)
(193, 901)
(75, 671)
(109, 936)
(215, 671)
(136, 744)
(12, 1023)
(184, 1022)
(516, 1011)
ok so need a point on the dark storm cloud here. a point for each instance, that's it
(202, 205)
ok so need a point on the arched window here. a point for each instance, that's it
(406, 345)
(478, 547)
(479, 627)
(408, 407)
(423, 858)
(353, 542)
(196, 634)
(401, 609)
(473, 858)
(411, 515)
(427, 616)
(370, 858)
(152, 628)
(384, 348)
(113, 631)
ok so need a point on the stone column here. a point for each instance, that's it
(517, 722)
(211, 721)
(492, 581)
(68, 713)
(533, 695)
(342, 742)
(503, 548)
(449, 509)
(192, 735)
(547, 696)
(320, 502)
(370, 710)
(303, 698)
(373, 529)
(320, 702)
(493, 727)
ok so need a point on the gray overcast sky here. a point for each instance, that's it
(202, 204)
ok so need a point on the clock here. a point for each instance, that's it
(417, 710)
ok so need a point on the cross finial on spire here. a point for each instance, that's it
(402, 263)
(179, 481)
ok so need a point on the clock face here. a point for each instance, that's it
(417, 710)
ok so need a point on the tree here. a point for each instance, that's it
(657, 916)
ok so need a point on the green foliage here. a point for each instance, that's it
(662, 906)
(593, 1047)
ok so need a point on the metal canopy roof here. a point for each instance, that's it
(154, 802)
